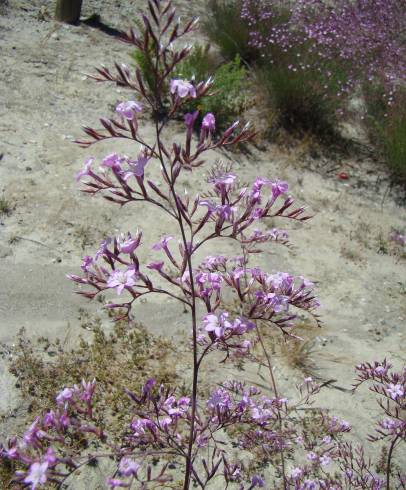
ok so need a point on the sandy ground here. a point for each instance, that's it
(45, 98)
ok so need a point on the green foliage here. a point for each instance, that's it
(225, 27)
(303, 101)
(228, 99)
(387, 127)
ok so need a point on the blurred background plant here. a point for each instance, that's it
(311, 59)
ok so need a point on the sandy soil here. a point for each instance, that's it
(45, 98)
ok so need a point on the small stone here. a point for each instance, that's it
(5, 251)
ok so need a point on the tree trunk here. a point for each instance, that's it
(68, 11)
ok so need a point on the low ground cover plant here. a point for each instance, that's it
(237, 436)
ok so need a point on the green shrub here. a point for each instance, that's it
(387, 128)
(228, 98)
(225, 28)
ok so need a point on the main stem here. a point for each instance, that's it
(188, 253)
(195, 378)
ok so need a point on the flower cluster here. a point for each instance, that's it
(361, 37)
(397, 237)
(41, 447)
(392, 387)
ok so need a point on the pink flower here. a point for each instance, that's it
(182, 88)
(136, 167)
(216, 324)
(116, 483)
(296, 473)
(380, 371)
(209, 122)
(128, 109)
(190, 119)
(223, 182)
(37, 475)
(50, 456)
(395, 390)
(128, 244)
(112, 161)
(128, 467)
(325, 460)
(312, 456)
(139, 426)
(31, 434)
(122, 279)
(86, 170)
(279, 187)
(156, 265)
(163, 243)
(87, 262)
(64, 396)
(257, 481)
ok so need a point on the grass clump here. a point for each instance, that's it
(300, 101)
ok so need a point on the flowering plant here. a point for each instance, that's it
(168, 428)
(361, 37)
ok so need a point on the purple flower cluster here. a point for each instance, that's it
(361, 37)
(41, 447)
